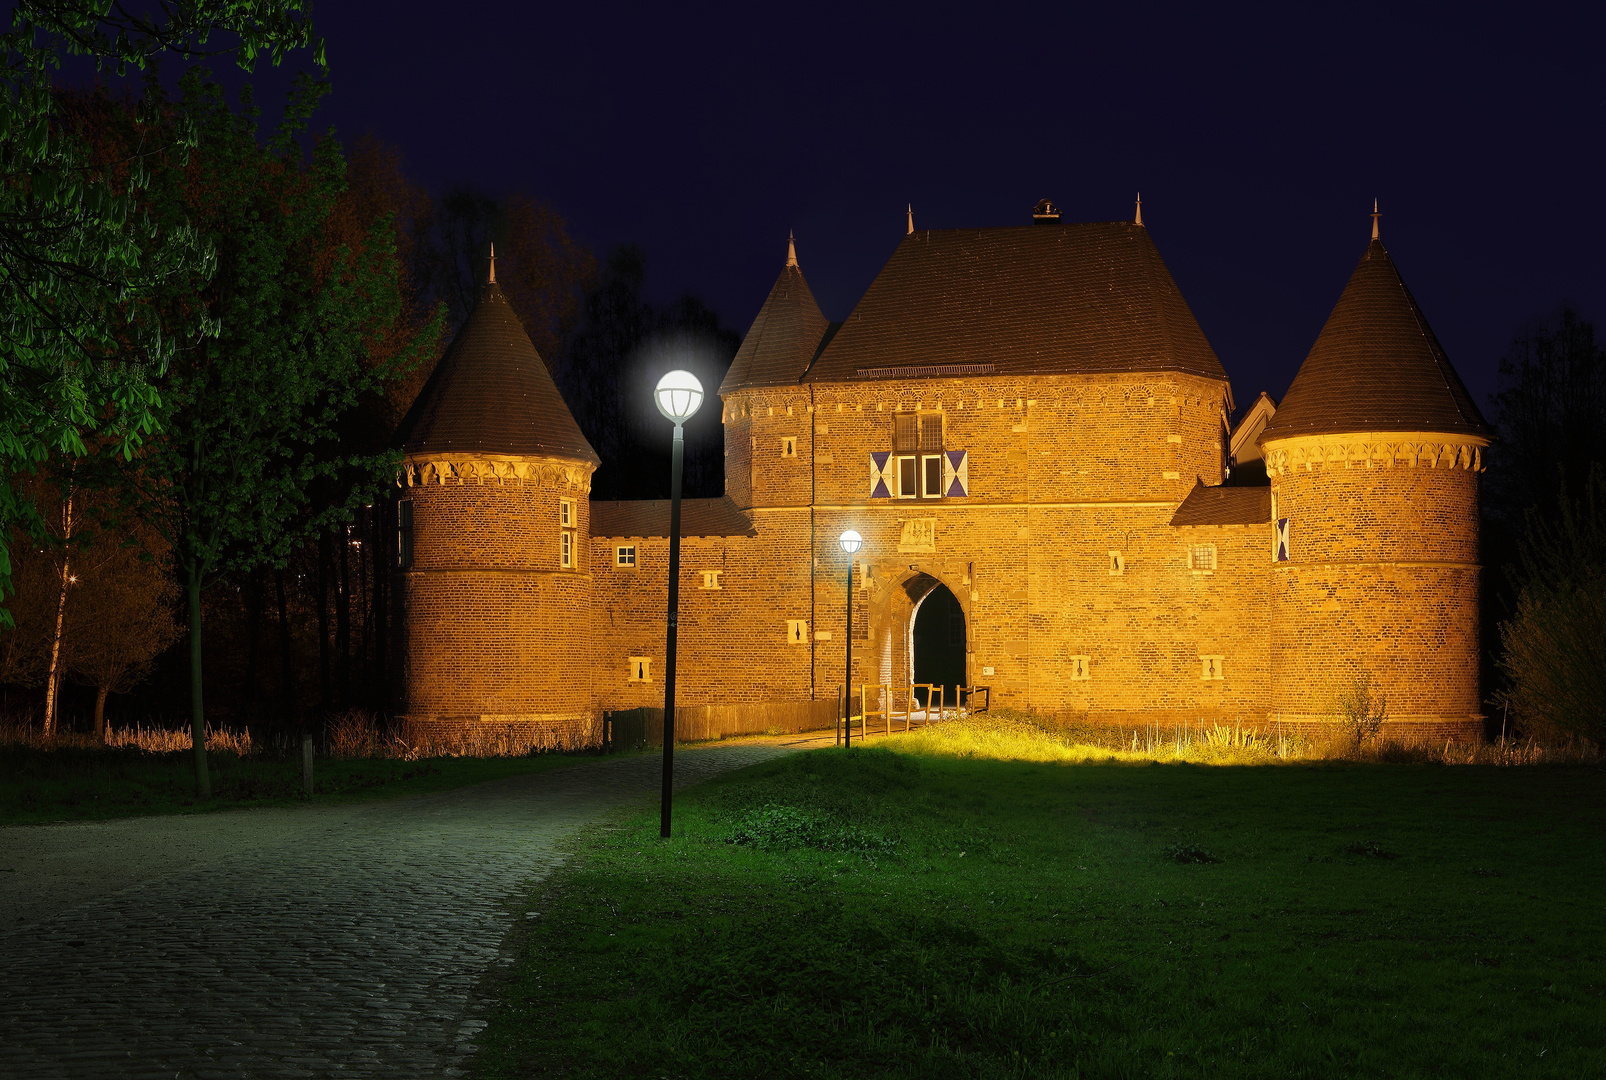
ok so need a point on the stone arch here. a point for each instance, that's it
(893, 648)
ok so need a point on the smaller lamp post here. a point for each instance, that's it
(678, 396)
(850, 542)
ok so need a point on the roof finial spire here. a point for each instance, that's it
(1138, 220)
(493, 263)
(1375, 216)
(911, 219)
(791, 249)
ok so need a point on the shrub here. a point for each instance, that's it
(1362, 708)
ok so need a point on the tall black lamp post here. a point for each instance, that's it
(678, 396)
(851, 542)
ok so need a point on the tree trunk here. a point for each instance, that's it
(383, 561)
(323, 620)
(53, 683)
(253, 639)
(100, 714)
(203, 781)
(343, 621)
(286, 663)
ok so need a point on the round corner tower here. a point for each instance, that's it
(494, 540)
(1374, 457)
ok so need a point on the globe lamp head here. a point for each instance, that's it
(850, 541)
(679, 395)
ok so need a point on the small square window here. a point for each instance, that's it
(908, 477)
(797, 631)
(1202, 558)
(566, 513)
(624, 555)
(789, 446)
(1081, 668)
(1210, 668)
(1117, 564)
(640, 669)
(711, 579)
(566, 550)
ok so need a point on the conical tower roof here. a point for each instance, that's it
(783, 338)
(491, 393)
(1376, 366)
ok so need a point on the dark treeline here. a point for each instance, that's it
(297, 617)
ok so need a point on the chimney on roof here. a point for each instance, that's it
(492, 279)
(911, 231)
(1375, 216)
(791, 249)
(1138, 221)
(1046, 213)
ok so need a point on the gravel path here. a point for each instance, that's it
(306, 942)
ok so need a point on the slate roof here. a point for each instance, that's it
(1042, 298)
(1224, 506)
(491, 393)
(1376, 366)
(650, 517)
(783, 338)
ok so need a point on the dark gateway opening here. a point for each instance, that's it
(939, 644)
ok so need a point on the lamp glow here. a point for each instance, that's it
(850, 541)
(678, 396)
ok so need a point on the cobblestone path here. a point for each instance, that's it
(342, 941)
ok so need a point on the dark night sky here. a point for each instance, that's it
(1258, 141)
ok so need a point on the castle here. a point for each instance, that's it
(1034, 437)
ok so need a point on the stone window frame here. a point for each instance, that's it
(566, 512)
(1196, 563)
(1081, 668)
(711, 580)
(918, 439)
(797, 631)
(566, 549)
(1117, 564)
(789, 446)
(1212, 667)
(639, 669)
(624, 556)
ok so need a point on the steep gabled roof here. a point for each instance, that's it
(1042, 298)
(1224, 506)
(650, 517)
(1376, 366)
(492, 394)
(784, 336)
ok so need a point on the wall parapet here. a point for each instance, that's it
(429, 469)
(1370, 450)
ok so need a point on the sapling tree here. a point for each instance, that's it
(247, 421)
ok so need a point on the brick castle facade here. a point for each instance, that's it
(1033, 435)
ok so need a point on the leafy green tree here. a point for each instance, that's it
(247, 424)
(1555, 643)
(78, 347)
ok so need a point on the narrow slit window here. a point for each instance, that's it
(1117, 564)
(711, 579)
(789, 446)
(1081, 668)
(566, 550)
(566, 513)
(640, 669)
(797, 631)
(1211, 668)
(404, 535)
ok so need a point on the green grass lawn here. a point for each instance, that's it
(75, 784)
(883, 912)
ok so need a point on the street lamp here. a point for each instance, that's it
(678, 396)
(850, 542)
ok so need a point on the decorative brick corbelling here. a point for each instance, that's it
(548, 472)
(1371, 450)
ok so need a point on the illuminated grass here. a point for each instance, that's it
(920, 909)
